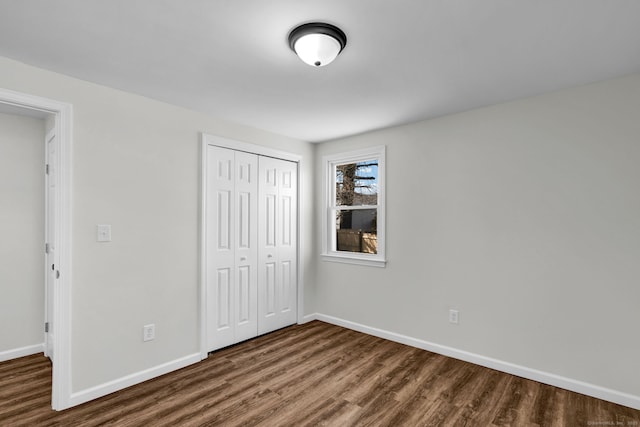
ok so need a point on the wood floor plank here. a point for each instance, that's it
(339, 413)
(312, 375)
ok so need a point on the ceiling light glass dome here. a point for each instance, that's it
(317, 43)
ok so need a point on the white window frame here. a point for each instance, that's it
(329, 223)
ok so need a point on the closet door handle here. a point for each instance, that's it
(243, 258)
(269, 256)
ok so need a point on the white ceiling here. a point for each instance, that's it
(405, 60)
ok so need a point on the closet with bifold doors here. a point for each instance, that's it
(250, 245)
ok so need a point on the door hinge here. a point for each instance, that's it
(46, 326)
(46, 248)
(46, 169)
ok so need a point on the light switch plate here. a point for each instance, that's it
(104, 232)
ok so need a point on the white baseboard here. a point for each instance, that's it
(21, 352)
(499, 365)
(309, 317)
(129, 380)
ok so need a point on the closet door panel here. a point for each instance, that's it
(220, 247)
(244, 296)
(246, 252)
(231, 248)
(267, 244)
(223, 299)
(287, 241)
(277, 257)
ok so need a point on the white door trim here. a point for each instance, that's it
(219, 141)
(61, 383)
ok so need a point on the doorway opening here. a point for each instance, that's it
(56, 248)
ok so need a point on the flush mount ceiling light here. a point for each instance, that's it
(317, 43)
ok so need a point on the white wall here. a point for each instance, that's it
(21, 232)
(524, 216)
(136, 166)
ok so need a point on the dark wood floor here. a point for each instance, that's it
(307, 375)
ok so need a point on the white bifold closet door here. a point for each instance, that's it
(251, 245)
(232, 246)
(277, 244)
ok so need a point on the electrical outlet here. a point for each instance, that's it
(454, 317)
(104, 232)
(148, 332)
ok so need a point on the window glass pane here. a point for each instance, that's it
(357, 231)
(357, 183)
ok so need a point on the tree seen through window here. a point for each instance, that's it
(357, 206)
